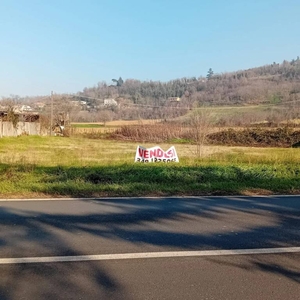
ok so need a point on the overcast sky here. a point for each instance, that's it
(66, 45)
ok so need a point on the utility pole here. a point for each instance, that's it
(51, 117)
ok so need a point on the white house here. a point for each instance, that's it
(110, 102)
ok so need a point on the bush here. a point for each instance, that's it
(280, 137)
(152, 133)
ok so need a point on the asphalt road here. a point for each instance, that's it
(174, 225)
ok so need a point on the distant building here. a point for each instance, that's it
(174, 99)
(26, 108)
(40, 105)
(79, 102)
(110, 102)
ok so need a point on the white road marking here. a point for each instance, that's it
(122, 256)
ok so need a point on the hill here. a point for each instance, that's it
(271, 91)
(274, 83)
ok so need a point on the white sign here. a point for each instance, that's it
(155, 154)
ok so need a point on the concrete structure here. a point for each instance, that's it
(23, 124)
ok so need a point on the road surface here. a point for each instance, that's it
(151, 248)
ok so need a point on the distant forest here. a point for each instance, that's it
(277, 83)
(274, 83)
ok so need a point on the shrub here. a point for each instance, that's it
(280, 137)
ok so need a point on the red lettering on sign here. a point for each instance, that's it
(159, 153)
(170, 153)
(146, 154)
(141, 152)
(152, 153)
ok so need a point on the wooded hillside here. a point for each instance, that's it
(274, 83)
(277, 84)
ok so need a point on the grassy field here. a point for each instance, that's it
(228, 111)
(77, 167)
(114, 124)
(87, 125)
(99, 129)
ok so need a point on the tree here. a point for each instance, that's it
(201, 121)
(118, 82)
(105, 116)
(10, 106)
(210, 73)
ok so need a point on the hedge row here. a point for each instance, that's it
(280, 137)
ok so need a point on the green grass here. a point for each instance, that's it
(150, 180)
(232, 110)
(87, 125)
(55, 166)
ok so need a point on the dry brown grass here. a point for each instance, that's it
(132, 122)
(117, 123)
(81, 131)
(153, 133)
(108, 128)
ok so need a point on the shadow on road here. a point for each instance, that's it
(156, 224)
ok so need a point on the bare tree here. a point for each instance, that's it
(105, 116)
(201, 122)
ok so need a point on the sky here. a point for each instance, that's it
(67, 45)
